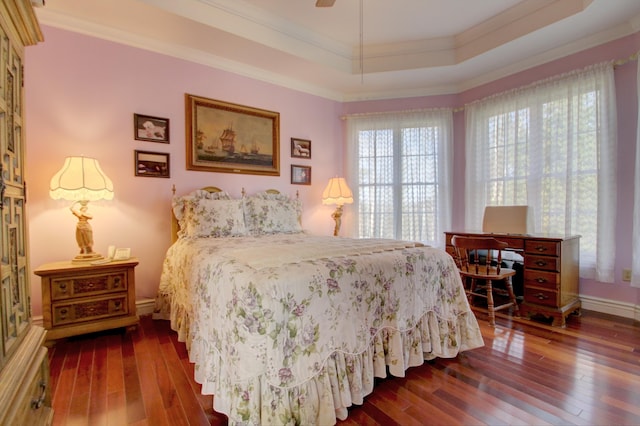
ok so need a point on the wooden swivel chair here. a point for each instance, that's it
(474, 257)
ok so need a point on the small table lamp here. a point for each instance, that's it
(81, 180)
(337, 192)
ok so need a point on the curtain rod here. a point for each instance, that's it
(631, 58)
(404, 111)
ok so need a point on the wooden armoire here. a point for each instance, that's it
(25, 397)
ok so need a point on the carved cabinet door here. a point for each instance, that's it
(14, 270)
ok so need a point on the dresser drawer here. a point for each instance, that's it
(548, 248)
(31, 404)
(541, 279)
(35, 408)
(88, 285)
(541, 297)
(545, 263)
(90, 309)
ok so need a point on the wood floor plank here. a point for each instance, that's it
(149, 364)
(98, 397)
(117, 414)
(183, 385)
(527, 373)
(79, 407)
(133, 392)
(62, 396)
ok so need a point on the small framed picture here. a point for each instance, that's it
(300, 148)
(152, 164)
(300, 175)
(152, 129)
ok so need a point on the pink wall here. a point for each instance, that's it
(81, 96)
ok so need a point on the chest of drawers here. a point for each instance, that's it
(78, 298)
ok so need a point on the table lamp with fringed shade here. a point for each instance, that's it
(82, 180)
(337, 192)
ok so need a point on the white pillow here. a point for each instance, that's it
(212, 218)
(272, 214)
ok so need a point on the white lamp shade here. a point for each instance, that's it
(80, 179)
(337, 192)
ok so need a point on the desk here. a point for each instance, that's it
(551, 270)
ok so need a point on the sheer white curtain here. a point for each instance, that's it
(552, 146)
(635, 249)
(399, 168)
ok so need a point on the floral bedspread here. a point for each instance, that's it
(301, 341)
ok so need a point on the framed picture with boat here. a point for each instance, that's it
(231, 138)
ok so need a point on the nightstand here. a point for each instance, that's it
(85, 298)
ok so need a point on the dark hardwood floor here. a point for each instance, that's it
(528, 373)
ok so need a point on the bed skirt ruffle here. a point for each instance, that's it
(344, 380)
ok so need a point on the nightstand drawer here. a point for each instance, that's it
(89, 285)
(74, 311)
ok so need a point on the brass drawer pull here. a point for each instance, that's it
(36, 404)
(541, 248)
(541, 280)
(541, 263)
(541, 296)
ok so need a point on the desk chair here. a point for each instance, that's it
(476, 267)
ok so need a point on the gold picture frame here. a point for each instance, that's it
(231, 138)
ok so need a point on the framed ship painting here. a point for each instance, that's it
(231, 138)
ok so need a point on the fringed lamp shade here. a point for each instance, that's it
(337, 192)
(82, 180)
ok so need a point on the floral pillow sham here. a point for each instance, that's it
(272, 214)
(212, 218)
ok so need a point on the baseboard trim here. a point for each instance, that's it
(143, 307)
(590, 303)
(612, 307)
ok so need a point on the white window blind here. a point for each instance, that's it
(552, 146)
(400, 172)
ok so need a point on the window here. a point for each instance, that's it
(400, 166)
(551, 146)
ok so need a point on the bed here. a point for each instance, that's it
(285, 327)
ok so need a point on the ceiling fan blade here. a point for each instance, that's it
(325, 3)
